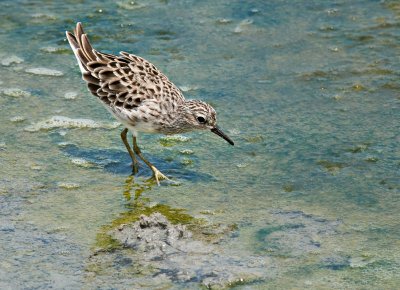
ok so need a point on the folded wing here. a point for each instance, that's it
(120, 82)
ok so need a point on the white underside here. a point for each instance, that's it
(140, 127)
(145, 127)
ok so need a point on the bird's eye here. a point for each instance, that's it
(201, 119)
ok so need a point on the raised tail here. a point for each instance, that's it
(81, 47)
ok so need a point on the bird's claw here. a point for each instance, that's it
(157, 175)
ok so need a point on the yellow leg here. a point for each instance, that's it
(156, 173)
(131, 153)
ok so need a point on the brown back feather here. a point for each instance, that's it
(123, 81)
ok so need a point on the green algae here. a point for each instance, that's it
(186, 161)
(170, 141)
(372, 159)
(331, 166)
(358, 87)
(105, 242)
(163, 32)
(359, 148)
(255, 139)
(288, 187)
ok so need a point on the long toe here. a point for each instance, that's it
(158, 175)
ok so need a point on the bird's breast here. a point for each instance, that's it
(146, 127)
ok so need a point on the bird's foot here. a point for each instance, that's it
(157, 175)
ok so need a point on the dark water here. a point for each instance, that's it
(308, 90)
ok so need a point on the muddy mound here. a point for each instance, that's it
(174, 255)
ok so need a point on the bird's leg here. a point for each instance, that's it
(156, 173)
(135, 164)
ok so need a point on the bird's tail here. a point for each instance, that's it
(81, 47)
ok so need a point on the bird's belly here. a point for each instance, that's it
(138, 126)
(145, 127)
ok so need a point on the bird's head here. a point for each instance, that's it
(201, 116)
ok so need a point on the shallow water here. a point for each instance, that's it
(308, 90)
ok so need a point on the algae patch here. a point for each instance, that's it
(331, 166)
(169, 141)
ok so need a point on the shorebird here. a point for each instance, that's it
(139, 96)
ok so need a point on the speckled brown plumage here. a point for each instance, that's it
(141, 97)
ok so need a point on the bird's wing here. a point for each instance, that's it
(120, 82)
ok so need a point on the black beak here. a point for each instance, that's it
(217, 131)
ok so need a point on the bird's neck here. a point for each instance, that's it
(180, 122)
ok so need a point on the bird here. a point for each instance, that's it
(139, 96)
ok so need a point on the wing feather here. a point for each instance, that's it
(120, 82)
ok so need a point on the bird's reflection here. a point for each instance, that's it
(135, 188)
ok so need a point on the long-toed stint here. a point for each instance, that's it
(139, 96)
